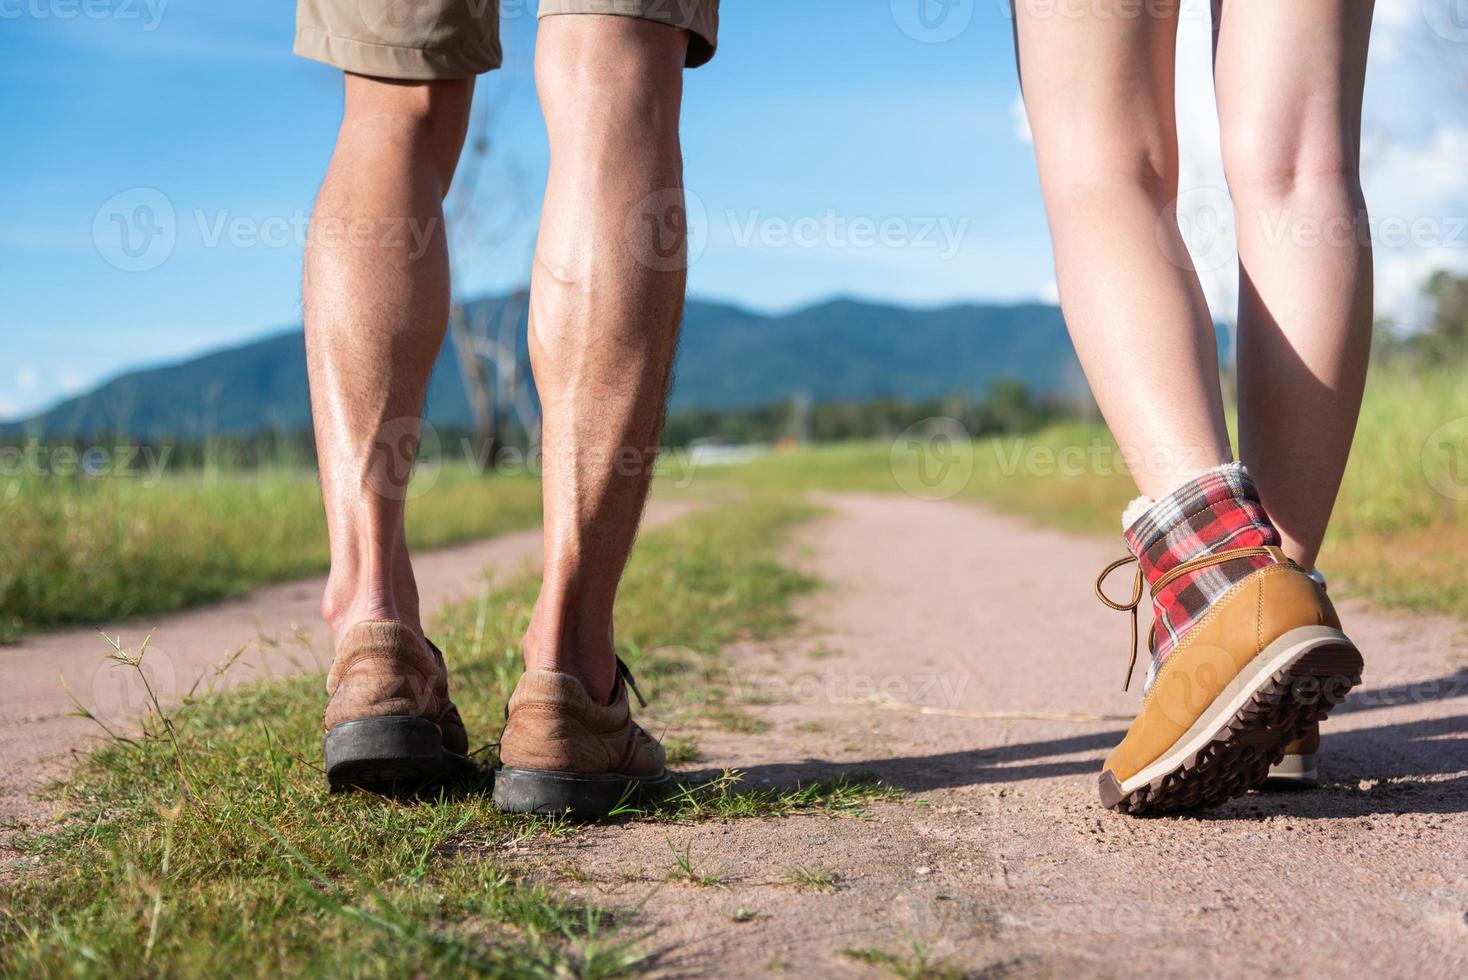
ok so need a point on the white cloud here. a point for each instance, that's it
(69, 382)
(1423, 179)
(1412, 167)
(1419, 218)
(1204, 209)
(1395, 21)
(25, 378)
(1021, 120)
(1400, 278)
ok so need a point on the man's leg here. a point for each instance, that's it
(376, 298)
(606, 300)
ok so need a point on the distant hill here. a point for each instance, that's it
(842, 350)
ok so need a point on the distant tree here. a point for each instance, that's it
(484, 338)
(1010, 406)
(1446, 336)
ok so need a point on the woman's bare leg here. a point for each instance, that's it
(1098, 84)
(1290, 80)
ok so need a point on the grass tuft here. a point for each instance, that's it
(812, 876)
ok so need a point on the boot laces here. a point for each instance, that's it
(1132, 605)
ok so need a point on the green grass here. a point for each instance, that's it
(685, 869)
(1399, 534)
(86, 551)
(914, 963)
(813, 877)
(209, 845)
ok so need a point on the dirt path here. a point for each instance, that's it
(960, 656)
(278, 629)
(957, 655)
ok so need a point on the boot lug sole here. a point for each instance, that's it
(1230, 749)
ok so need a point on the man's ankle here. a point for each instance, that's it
(344, 607)
(596, 669)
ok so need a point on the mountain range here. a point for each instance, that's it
(729, 357)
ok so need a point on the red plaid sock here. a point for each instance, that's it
(1218, 511)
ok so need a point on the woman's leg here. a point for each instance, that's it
(1098, 87)
(1240, 634)
(1290, 79)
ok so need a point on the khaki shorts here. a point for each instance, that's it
(438, 39)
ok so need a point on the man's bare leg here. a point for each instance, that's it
(606, 300)
(376, 296)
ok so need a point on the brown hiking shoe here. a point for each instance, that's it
(562, 752)
(1248, 652)
(1265, 664)
(390, 722)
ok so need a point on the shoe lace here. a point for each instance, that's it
(625, 674)
(1132, 604)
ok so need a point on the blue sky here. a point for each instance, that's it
(833, 146)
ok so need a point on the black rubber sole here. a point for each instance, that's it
(395, 754)
(577, 795)
(1238, 756)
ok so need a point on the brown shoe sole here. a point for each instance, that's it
(390, 754)
(1313, 669)
(581, 796)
